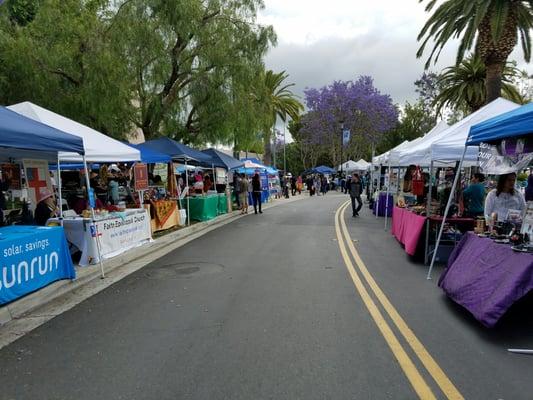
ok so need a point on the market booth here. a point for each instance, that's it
(115, 230)
(487, 274)
(32, 256)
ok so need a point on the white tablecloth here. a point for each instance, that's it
(117, 233)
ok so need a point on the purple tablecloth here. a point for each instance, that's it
(486, 278)
(382, 204)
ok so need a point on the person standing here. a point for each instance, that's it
(474, 196)
(243, 193)
(529, 188)
(237, 180)
(504, 198)
(355, 188)
(257, 191)
(318, 185)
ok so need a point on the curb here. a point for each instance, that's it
(86, 275)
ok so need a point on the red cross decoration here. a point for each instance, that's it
(36, 182)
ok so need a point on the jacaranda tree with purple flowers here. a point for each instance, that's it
(358, 105)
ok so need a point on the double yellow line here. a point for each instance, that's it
(358, 269)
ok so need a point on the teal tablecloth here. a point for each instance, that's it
(203, 208)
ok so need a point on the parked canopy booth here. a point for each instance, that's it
(267, 174)
(32, 257)
(482, 275)
(114, 232)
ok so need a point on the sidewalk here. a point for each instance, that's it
(23, 315)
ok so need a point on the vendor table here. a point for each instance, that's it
(203, 208)
(32, 257)
(407, 228)
(118, 233)
(486, 278)
(222, 207)
(381, 205)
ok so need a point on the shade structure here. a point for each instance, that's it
(98, 147)
(178, 151)
(418, 150)
(322, 169)
(450, 146)
(514, 123)
(363, 164)
(349, 165)
(23, 137)
(222, 160)
(149, 155)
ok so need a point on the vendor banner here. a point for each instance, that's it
(119, 234)
(32, 257)
(140, 173)
(37, 180)
(504, 158)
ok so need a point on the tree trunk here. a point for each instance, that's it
(494, 81)
(267, 153)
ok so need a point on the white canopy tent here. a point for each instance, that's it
(363, 165)
(417, 152)
(98, 147)
(351, 165)
(451, 145)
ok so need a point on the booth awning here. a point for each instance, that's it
(98, 147)
(149, 155)
(515, 123)
(222, 160)
(178, 151)
(28, 136)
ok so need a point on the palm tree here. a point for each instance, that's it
(280, 102)
(494, 25)
(464, 85)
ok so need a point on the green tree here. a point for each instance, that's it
(61, 59)
(464, 85)
(494, 26)
(278, 101)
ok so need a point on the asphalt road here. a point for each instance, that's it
(264, 308)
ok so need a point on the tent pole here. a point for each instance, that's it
(93, 223)
(387, 196)
(377, 193)
(188, 193)
(452, 192)
(59, 187)
(428, 206)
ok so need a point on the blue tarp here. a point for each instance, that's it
(223, 160)
(149, 155)
(19, 132)
(515, 123)
(178, 151)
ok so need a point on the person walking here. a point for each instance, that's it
(355, 189)
(237, 180)
(243, 193)
(257, 191)
(318, 186)
(293, 186)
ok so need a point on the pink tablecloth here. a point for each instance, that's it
(407, 228)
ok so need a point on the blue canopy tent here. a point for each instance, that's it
(22, 137)
(149, 155)
(322, 169)
(517, 123)
(222, 160)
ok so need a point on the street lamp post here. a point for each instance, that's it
(342, 144)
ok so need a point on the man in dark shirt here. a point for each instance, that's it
(257, 191)
(355, 189)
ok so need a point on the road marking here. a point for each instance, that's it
(445, 384)
(417, 381)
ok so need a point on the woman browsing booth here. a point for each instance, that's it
(504, 198)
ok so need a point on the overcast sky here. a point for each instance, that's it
(320, 41)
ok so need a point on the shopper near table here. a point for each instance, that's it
(355, 189)
(208, 183)
(237, 185)
(257, 191)
(46, 208)
(112, 185)
(294, 186)
(474, 196)
(243, 193)
(529, 188)
(504, 198)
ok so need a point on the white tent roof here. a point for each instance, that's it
(450, 147)
(98, 147)
(363, 164)
(350, 165)
(417, 152)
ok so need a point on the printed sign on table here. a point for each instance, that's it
(31, 258)
(140, 173)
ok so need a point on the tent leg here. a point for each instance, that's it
(448, 204)
(387, 197)
(428, 206)
(188, 193)
(93, 218)
(59, 189)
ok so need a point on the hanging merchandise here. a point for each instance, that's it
(418, 182)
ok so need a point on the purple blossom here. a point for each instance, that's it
(357, 104)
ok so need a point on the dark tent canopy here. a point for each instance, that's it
(223, 160)
(178, 151)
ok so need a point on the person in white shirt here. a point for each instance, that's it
(504, 198)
